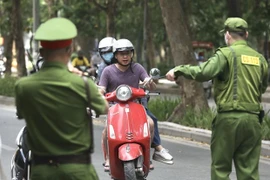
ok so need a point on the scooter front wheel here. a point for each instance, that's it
(129, 170)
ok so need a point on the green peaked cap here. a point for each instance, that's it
(56, 29)
(235, 24)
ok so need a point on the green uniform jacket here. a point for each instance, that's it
(239, 73)
(53, 103)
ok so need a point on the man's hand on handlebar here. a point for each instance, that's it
(148, 83)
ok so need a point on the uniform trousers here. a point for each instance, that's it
(64, 172)
(236, 138)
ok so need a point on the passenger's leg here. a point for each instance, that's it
(105, 149)
(161, 154)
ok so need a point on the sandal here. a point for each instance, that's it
(151, 167)
(106, 167)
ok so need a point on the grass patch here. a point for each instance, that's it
(7, 85)
(162, 108)
(202, 119)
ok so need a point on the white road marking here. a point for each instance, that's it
(8, 148)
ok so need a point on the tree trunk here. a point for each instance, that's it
(191, 92)
(8, 44)
(234, 8)
(8, 38)
(149, 41)
(138, 48)
(18, 37)
(110, 14)
(145, 63)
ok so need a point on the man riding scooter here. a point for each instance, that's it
(124, 71)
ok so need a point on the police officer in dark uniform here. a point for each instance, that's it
(240, 77)
(53, 103)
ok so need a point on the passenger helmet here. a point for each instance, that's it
(106, 44)
(105, 48)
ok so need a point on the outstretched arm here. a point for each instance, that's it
(204, 72)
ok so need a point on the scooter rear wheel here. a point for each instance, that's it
(129, 170)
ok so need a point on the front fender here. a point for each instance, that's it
(129, 151)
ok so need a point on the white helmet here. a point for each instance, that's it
(106, 44)
(122, 45)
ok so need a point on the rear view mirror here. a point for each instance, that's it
(154, 73)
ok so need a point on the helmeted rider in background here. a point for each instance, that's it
(83, 64)
(124, 71)
(80, 60)
(105, 49)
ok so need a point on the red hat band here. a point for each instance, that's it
(55, 44)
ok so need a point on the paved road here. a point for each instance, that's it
(192, 160)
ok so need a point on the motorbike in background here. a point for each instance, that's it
(20, 162)
(90, 72)
(2, 68)
(207, 87)
(2, 62)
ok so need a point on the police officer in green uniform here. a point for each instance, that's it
(240, 77)
(53, 103)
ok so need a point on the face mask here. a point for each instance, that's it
(107, 57)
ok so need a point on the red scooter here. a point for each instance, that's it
(128, 134)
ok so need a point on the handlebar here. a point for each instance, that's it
(153, 93)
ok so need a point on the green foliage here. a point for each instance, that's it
(202, 119)
(206, 19)
(5, 10)
(89, 20)
(7, 85)
(162, 108)
(260, 23)
(129, 19)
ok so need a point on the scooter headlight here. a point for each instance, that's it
(123, 93)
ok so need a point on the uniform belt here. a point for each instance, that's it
(63, 159)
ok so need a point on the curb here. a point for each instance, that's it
(170, 129)
(198, 135)
(9, 101)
